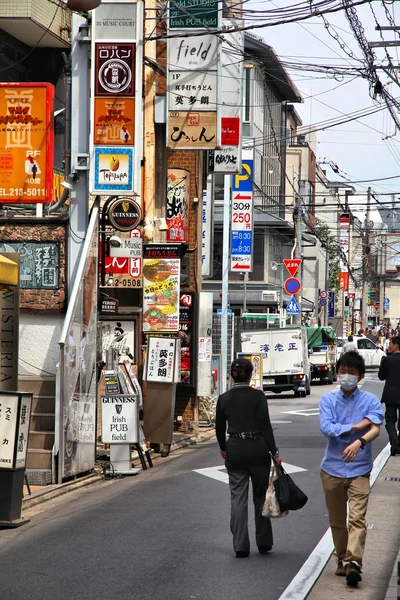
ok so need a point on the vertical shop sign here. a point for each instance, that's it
(8, 430)
(178, 188)
(242, 215)
(115, 75)
(207, 226)
(186, 335)
(26, 142)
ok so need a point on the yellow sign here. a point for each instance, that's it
(26, 142)
(257, 375)
(192, 130)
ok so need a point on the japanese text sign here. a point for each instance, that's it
(15, 412)
(161, 294)
(26, 142)
(192, 130)
(186, 14)
(161, 359)
(242, 216)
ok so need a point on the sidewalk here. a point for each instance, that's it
(382, 551)
(41, 494)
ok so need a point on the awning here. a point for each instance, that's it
(8, 272)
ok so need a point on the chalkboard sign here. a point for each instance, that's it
(40, 263)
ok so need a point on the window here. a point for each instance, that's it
(366, 345)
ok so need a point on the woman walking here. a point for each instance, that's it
(247, 454)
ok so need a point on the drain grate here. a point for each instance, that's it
(392, 478)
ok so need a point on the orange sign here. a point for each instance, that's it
(26, 142)
(344, 281)
(114, 120)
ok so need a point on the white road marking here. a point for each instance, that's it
(219, 474)
(280, 422)
(302, 583)
(307, 412)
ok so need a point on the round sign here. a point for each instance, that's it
(292, 285)
(323, 294)
(124, 214)
(322, 302)
(115, 76)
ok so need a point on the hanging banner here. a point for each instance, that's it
(186, 335)
(26, 142)
(186, 14)
(113, 170)
(177, 214)
(192, 90)
(123, 268)
(115, 21)
(207, 228)
(161, 294)
(192, 130)
(115, 69)
(161, 359)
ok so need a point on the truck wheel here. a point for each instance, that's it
(297, 394)
(308, 387)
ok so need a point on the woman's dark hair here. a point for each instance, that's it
(352, 359)
(241, 370)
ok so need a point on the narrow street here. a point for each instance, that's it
(165, 533)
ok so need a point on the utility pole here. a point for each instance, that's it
(366, 251)
(225, 283)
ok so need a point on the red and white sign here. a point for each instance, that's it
(242, 223)
(230, 131)
(323, 294)
(376, 306)
(292, 265)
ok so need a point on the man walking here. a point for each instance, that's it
(350, 345)
(350, 418)
(389, 371)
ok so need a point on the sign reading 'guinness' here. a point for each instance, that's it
(124, 214)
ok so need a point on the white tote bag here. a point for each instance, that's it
(271, 507)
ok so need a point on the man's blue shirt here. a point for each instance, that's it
(337, 415)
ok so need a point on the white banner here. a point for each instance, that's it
(193, 53)
(207, 230)
(8, 430)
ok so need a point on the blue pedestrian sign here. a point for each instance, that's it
(293, 308)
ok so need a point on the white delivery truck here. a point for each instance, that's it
(285, 358)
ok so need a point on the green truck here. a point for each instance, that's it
(321, 342)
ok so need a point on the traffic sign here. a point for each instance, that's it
(323, 294)
(293, 308)
(292, 265)
(292, 285)
(376, 306)
(323, 301)
(242, 216)
(386, 301)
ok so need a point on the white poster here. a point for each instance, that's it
(120, 419)
(205, 349)
(23, 431)
(8, 429)
(161, 360)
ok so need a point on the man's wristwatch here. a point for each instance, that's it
(276, 453)
(363, 443)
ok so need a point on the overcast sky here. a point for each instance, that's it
(356, 147)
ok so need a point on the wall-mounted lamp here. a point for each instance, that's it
(115, 240)
(110, 279)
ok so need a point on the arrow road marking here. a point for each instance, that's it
(220, 474)
(307, 412)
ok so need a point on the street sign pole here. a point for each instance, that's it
(225, 283)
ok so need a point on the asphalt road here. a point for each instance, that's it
(165, 533)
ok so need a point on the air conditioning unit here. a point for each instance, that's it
(270, 296)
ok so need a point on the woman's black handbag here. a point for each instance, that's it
(288, 494)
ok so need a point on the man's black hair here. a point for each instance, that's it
(351, 359)
(350, 338)
(396, 340)
(241, 370)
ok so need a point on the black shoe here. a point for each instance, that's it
(264, 549)
(394, 450)
(241, 554)
(353, 574)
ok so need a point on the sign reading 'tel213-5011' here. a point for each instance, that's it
(242, 215)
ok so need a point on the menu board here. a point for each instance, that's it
(161, 294)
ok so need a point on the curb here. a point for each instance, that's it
(55, 491)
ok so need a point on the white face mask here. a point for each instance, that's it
(348, 382)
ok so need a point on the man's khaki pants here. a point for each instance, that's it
(349, 540)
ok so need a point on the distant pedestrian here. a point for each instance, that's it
(350, 345)
(247, 455)
(386, 343)
(350, 418)
(389, 372)
(373, 336)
